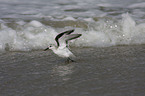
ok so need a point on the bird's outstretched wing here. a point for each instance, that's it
(63, 38)
(71, 37)
(63, 34)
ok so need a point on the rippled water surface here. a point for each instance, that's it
(107, 71)
(110, 53)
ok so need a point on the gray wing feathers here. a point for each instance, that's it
(61, 35)
(72, 36)
(63, 38)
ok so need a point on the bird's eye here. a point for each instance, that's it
(50, 46)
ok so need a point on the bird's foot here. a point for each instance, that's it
(69, 60)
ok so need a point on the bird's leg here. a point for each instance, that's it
(67, 61)
(70, 59)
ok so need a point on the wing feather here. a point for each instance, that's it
(71, 37)
(61, 34)
(63, 38)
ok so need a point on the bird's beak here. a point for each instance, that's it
(46, 49)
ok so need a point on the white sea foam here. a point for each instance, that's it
(89, 19)
(35, 23)
(138, 5)
(125, 32)
(69, 18)
(35, 35)
(31, 36)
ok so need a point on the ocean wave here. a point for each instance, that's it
(137, 5)
(35, 35)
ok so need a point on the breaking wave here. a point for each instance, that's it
(35, 35)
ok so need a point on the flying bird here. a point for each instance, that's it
(62, 48)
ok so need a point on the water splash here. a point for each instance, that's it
(34, 35)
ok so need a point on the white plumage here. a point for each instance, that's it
(62, 49)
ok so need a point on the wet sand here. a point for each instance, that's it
(110, 71)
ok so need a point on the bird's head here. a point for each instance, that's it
(51, 46)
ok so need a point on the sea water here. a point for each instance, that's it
(110, 53)
(31, 25)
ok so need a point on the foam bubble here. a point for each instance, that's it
(35, 23)
(21, 22)
(89, 19)
(70, 18)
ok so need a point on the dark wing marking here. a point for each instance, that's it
(72, 36)
(61, 34)
(69, 31)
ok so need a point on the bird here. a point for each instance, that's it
(62, 48)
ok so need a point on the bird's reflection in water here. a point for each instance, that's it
(63, 71)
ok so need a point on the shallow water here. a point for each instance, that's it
(110, 52)
(110, 71)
